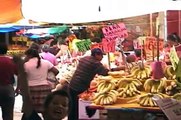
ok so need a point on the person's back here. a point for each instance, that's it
(87, 68)
(7, 93)
(37, 76)
(46, 55)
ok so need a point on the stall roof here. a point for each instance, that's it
(80, 11)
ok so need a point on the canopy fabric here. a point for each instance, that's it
(82, 11)
(10, 11)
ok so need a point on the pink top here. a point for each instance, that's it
(37, 76)
(50, 57)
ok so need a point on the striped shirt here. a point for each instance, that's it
(86, 70)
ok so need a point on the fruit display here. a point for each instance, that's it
(177, 96)
(172, 88)
(105, 98)
(140, 72)
(155, 86)
(146, 100)
(106, 85)
(128, 87)
(169, 72)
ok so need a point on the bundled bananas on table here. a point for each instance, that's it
(105, 98)
(155, 86)
(147, 101)
(169, 72)
(140, 72)
(106, 85)
(172, 88)
(177, 96)
(128, 87)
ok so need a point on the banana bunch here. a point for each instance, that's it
(123, 82)
(169, 72)
(107, 98)
(140, 72)
(177, 96)
(172, 88)
(106, 85)
(147, 101)
(128, 87)
(155, 86)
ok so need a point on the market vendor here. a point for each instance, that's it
(86, 70)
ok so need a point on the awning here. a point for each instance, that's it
(10, 11)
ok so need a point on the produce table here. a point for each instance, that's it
(129, 111)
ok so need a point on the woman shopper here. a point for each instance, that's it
(7, 93)
(36, 70)
(55, 105)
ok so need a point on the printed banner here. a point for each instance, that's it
(115, 31)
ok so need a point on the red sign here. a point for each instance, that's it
(105, 45)
(149, 43)
(115, 31)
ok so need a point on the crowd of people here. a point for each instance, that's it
(33, 82)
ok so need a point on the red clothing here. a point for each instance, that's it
(7, 70)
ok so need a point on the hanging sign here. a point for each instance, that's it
(105, 45)
(173, 57)
(115, 31)
(83, 45)
(150, 43)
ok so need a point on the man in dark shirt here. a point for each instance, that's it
(86, 70)
(7, 93)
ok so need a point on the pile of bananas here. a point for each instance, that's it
(177, 96)
(106, 98)
(106, 85)
(172, 88)
(147, 101)
(140, 72)
(128, 87)
(169, 73)
(155, 86)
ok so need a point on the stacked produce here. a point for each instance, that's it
(106, 94)
(169, 73)
(155, 86)
(146, 100)
(105, 98)
(140, 72)
(128, 87)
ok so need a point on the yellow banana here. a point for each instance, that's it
(148, 85)
(146, 103)
(132, 87)
(101, 101)
(100, 86)
(168, 71)
(97, 101)
(151, 102)
(142, 100)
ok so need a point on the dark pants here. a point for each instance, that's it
(73, 104)
(7, 102)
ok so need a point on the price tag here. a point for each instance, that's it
(173, 57)
(83, 45)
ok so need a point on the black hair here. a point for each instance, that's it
(174, 38)
(34, 53)
(96, 51)
(50, 97)
(3, 48)
(54, 42)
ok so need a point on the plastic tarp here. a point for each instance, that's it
(82, 11)
(10, 11)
